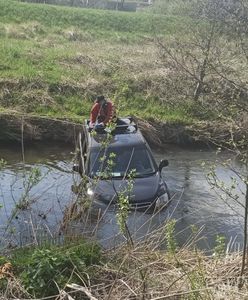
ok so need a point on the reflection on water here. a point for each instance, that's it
(198, 204)
(194, 202)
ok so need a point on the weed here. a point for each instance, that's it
(43, 270)
(220, 245)
(170, 237)
(124, 206)
(197, 282)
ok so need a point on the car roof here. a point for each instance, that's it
(127, 135)
(132, 139)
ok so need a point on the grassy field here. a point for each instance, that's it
(55, 60)
(87, 19)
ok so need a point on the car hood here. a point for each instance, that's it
(144, 190)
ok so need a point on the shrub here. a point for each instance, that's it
(43, 270)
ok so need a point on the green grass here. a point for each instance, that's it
(55, 60)
(39, 267)
(87, 19)
(149, 109)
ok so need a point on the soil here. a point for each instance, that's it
(15, 127)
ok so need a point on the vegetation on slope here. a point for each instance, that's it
(56, 59)
(140, 272)
(87, 19)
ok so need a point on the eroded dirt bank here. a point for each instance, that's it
(15, 127)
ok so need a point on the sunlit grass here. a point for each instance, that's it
(51, 16)
(59, 58)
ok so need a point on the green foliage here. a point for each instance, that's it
(220, 245)
(171, 242)
(123, 203)
(197, 282)
(197, 276)
(34, 177)
(42, 269)
(3, 260)
(3, 281)
(225, 191)
(45, 268)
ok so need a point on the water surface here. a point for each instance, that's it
(194, 202)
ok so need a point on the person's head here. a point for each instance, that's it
(100, 99)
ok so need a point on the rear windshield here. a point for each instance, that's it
(120, 162)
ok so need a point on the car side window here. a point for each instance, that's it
(141, 161)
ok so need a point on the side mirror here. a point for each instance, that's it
(163, 163)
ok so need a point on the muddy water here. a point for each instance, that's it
(194, 202)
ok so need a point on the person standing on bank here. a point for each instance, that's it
(102, 112)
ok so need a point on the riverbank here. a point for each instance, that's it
(140, 271)
(15, 127)
(56, 68)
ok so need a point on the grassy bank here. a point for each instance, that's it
(102, 21)
(138, 272)
(54, 60)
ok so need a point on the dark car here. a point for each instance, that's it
(108, 157)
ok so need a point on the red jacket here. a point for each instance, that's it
(102, 113)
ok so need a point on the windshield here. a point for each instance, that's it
(120, 162)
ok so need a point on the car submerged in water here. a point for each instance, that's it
(110, 158)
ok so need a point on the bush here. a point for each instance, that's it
(43, 270)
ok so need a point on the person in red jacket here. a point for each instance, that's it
(102, 112)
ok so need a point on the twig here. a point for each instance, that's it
(81, 289)
(122, 281)
(66, 296)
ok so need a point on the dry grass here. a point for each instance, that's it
(145, 272)
(23, 31)
(228, 133)
(187, 275)
(151, 134)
